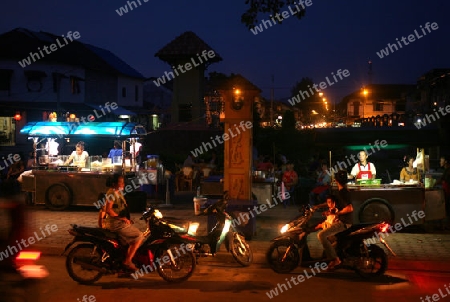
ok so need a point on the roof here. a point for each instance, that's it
(114, 129)
(434, 76)
(185, 46)
(384, 91)
(18, 43)
(46, 106)
(220, 81)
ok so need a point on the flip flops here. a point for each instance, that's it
(332, 265)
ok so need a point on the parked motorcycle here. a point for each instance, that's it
(223, 231)
(100, 252)
(291, 248)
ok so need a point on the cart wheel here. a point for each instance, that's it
(376, 210)
(58, 197)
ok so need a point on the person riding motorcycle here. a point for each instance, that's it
(118, 218)
(343, 220)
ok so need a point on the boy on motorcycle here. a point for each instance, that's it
(343, 219)
(330, 214)
(118, 219)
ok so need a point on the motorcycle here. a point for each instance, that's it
(21, 274)
(223, 231)
(291, 248)
(100, 252)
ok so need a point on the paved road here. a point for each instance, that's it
(222, 279)
(419, 248)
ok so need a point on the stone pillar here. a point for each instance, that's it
(238, 124)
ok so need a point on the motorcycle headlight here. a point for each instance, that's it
(226, 227)
(158, 214)
(193, 226)
(284, 228)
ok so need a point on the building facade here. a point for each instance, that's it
(67, 84)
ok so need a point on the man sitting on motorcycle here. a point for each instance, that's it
(343, 219)
(118, 219)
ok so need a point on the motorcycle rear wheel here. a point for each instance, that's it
(83, 253)
(283, 256)
(183, 267)
(374, 265)
(241, 250)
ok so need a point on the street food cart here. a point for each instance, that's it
(58, 186)
(396, 201)
(386, 202)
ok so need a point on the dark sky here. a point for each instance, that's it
(333, 35)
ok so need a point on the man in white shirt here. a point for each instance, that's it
(363, 169)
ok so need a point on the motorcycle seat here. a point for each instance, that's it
(100, 232)
(353, 228)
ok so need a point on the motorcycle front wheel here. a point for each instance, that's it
(80, 262)
(374, 265)
(241, 250)
(182, 267)
(283, 256)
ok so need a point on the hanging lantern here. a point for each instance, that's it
(17, 116)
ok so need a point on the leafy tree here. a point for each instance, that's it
(305, 100)
(288, 123)
(271, 7)
(302, 95)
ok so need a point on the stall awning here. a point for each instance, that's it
(67, 129)
(118, 111)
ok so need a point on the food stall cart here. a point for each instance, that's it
(395, 201)
(58, 186)
(386, 202)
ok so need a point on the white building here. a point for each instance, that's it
(76, 78)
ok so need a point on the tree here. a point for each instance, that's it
(307, 99)
(271, 7)
(288, 123)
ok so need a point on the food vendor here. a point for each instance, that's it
(409, 173)
(363, 169)
(79, 156)
(116, 150)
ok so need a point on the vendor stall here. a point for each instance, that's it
(58, 185)
(397, 200)
(389, 203)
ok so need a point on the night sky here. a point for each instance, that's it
(333, 35)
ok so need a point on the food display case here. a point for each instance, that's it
(58, 185)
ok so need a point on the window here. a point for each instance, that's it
(124, 92)
(185, 112)
(56, 81)
(400, 106)
(356, 106)
(5, 79)
(377, 106)
(75, 85)
(7, 131)
(136, 93)
(34, 80)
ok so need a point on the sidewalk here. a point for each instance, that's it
(418, 250)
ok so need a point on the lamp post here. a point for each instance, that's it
(365, 92)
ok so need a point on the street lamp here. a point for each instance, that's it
(365, 92)
(238, 100)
